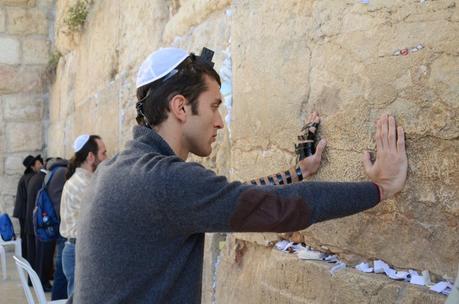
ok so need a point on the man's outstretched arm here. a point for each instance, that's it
(205, 202)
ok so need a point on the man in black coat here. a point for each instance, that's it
(32, 165)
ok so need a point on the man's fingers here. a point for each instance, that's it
(391, 137)
(384, 130)
(400, 140)
(378, 136)
(367, 161)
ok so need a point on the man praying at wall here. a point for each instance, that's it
(141, 236)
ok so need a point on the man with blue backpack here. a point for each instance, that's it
(46, 226)
(39, 253)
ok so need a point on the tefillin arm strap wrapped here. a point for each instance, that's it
(307, 141)
(305, 148)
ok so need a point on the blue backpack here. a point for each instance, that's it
(6, 228)
(45, 220)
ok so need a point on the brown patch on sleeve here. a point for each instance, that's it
(262, 211)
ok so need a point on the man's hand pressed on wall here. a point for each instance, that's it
(390, 167)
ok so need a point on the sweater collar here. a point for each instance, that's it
(153, 139)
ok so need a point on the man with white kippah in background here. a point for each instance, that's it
(141, 236)
(89, 153)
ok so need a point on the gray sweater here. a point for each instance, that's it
(141, 234)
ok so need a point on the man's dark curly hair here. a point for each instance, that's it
(188, 81)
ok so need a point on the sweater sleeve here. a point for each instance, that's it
(200, 201)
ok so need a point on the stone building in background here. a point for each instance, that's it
(349, 60)
(25, 39)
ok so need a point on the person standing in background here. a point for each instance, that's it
(32, 164)
(89, 153)
(55, 187)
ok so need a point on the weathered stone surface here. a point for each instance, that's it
(8, 184)
(26, 21)
(98, 55)
(2, 163)
(17, 2)
(23, 136)
(13, 164)
(23, 107)
(190, 14)
(2, 20)
(131, 49)
(21, 79)
(9, 50)
(57, 139)
(333, 66)
(265, 275)
(35, 50)
(212, 256)
(290, 58)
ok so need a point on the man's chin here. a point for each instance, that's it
(202, 153)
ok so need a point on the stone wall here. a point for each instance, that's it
(24, 53)
(288, 58)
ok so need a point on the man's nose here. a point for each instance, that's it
(219, 121)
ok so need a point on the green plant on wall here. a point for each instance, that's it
(76, 15)
(52, 65)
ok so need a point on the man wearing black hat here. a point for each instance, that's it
(32, 165)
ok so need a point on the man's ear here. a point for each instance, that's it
(177, 107)
(91, 158)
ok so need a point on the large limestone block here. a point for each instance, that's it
(35, 50)
(265, 275)
(98, 52)
(26, 21)
(23, 107)
(56, 139)
(63, 90)
(107, 123)
(340, 61)
(127, 110)
(66, 40)
(134, 41)
(8, 184)
(100, 115)
(18, 2)
(10, 51)
(13, 164)
(270, 84)
(190, 14)
(24, 78)
(23, 136)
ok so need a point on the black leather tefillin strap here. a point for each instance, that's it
(306, 146)
(288, 176)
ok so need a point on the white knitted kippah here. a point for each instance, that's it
(158, 64)
(79, 142)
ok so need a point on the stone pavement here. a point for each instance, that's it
(11, 291)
